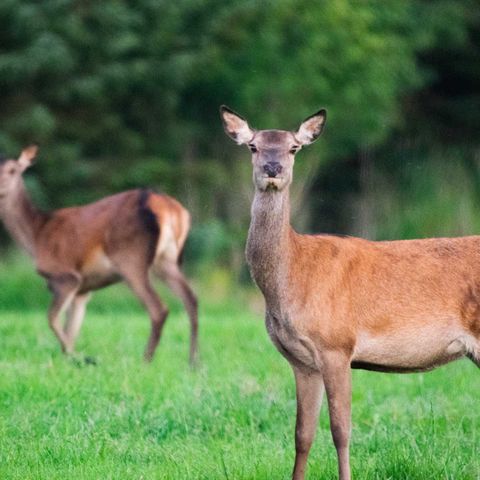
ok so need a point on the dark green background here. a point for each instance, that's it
(121, 94)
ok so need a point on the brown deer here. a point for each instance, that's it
(85, 248)
(335, 303)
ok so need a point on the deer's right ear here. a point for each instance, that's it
(26, 157)
(235, 126)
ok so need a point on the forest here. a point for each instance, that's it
(123, 94)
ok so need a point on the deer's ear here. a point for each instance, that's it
(235, 126)
(27, 156)
(311, 128)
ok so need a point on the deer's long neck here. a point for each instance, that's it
(22, 219)
(268, 244)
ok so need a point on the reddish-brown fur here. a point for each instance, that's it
(81, 249)
(335, 303)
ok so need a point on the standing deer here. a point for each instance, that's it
(335, 303)
(85, 248)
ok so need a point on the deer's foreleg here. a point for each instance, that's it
(75, 316)
(64, 288)
(310, 389)
(337, 378)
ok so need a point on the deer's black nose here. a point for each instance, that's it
(272, 169)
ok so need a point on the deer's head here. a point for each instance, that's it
(11, 170)
(273, 151)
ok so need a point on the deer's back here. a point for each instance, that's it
(85, 238)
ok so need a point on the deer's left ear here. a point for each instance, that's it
(236, 127)
(27, 156)
(311, 128)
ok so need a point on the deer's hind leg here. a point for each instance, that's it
(475, 358)
(473, 353)
(131, 249)
(135, 271)
(157, 311)
(466, 345)
(172, 275)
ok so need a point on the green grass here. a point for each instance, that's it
(231, 419)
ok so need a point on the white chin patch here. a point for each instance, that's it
(273, 183)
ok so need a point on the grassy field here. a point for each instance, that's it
(233, 418)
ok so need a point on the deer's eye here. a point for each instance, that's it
(253, 148)
(11, 171)
(294, 149)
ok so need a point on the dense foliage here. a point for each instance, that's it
(125, 93)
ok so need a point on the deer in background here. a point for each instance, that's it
(335, 303)
(81, 249)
